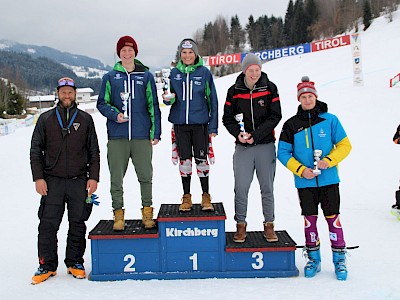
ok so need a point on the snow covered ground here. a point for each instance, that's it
(370, 176)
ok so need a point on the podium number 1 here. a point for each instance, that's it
(194, 259)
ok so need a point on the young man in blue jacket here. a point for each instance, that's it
(128, 99)
(311, 145)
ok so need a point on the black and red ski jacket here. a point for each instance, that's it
(260, 106)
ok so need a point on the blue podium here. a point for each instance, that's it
(186, 245)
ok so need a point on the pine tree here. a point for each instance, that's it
(299, 28)
(310, 17)
(237, 34)
(367, 15)
(288, 25)
(252, 33)
(16, 103)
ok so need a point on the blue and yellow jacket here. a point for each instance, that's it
(308, 131)
(143, 108)
(195, 99)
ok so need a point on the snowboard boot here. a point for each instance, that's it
(77, 270)
(206, 202)
(119, 221)
(186, 203)
(339, 261)
(147, 217)
(42, 275)
(240, 235)
(269, 232)
(396, 211)
(313, 265)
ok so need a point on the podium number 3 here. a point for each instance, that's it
(259, 264)
(131, 261)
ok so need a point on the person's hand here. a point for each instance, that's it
(243, 137)
(170, 96)
(250, 139)
(154, 142)
(41, 187)
(322, 164)
(91, 186)
(121, 119)
(212, 134)
(308, 174)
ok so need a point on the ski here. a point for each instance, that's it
(348, 248)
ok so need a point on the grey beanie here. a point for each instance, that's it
(188, 44)
(249, 60)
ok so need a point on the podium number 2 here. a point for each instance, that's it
(131, 261)
(259, 264)
(194, 259)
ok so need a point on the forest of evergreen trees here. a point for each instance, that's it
(304, 21)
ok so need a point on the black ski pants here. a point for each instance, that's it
(62, 191)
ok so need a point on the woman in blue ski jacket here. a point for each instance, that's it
(194, 115)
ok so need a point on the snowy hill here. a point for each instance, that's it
(370, 176)
(83, 66)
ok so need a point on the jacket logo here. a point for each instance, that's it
(261, 102)
(139, 77)
(178, 77)
(139, 82)
(197, 82)
(117, 76)
(322, 134)
(76, 126)
(198, 78)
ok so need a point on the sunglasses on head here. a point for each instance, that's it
(66, 82)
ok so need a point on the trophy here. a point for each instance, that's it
(166, 89)
(125, 96)
(239, 118)
(317, 155)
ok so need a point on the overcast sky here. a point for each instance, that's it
(92, 28)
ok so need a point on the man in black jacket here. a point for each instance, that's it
(65, 163)
(252, 111)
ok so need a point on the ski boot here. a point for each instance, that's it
(77, 270)
(42, 275)
(339, 261)
(313, 265)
